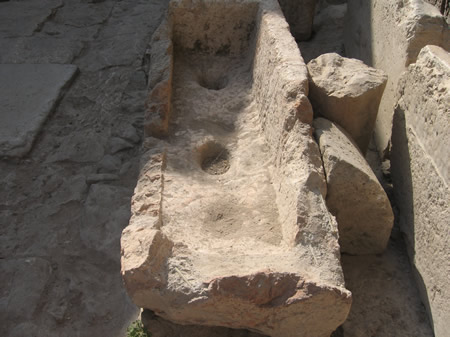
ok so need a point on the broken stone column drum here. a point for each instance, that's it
(229, 226)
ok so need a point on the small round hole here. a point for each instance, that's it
(214, 158)
(213, 82)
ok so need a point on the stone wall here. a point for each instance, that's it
(443, 6)
(388, 35)
(421, 172)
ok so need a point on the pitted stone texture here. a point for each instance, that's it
(255, 247)
(420, 172)
(300, 15)
(347, 92)
(398, 30)
(29, 93)
(354, 195)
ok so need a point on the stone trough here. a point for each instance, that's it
(229, 225)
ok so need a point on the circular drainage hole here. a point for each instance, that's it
(213, 82)
(214, 158)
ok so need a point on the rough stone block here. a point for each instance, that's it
(229, 225)
(354, 195)
(29, 93)
(347, 92)
(420, 173)
(389, 35)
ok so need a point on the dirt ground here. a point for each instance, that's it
(64, 205)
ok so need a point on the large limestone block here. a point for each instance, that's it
(420, 174)
(347, 92)
(229, 225)
(28, 94)
(300, 15)
(424, 93)
(389, 35)
(354, 195)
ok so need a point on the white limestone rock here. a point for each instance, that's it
(354, 195)
(347, 92)
(420, 173)
(389, 35)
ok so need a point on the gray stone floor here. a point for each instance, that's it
(64, 204)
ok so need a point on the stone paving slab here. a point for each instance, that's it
(28, 94)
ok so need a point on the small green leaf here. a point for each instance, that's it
(136, 329)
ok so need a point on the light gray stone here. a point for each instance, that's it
(116, 144)
(29, 93)
(23, 18)
(420, 174)
(39, 50)
(389, 35)
(23, 283)
(106, 213)
(127, 132)
(100, 177)
(110, 163)
(347, 92)
(80, 147)
(72, 189)
(354, 195)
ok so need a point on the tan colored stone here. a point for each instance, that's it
(347, 92)
(389, 35)
(354, 195)
(420, 172)
(252, 246)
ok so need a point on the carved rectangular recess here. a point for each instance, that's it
(229, 226)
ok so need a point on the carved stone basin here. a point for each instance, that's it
(229, 225)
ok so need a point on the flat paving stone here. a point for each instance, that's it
(28, 93)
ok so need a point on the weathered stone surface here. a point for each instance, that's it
(354, 195)
(23, 18)
(420, 173)
(29, 94)
(443, 6)
(328, 32)
(385, 297)
(252, 247)
(80, 148)
(42, 201)
(300, 15)
(347, 92)
(21, 294)
(105, 215)
(39, 50)
(398, 30)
